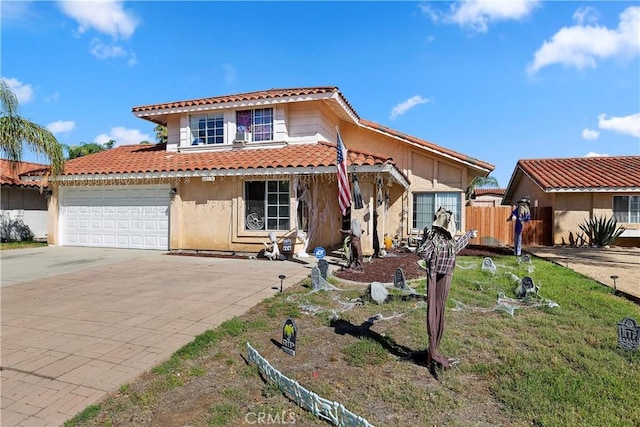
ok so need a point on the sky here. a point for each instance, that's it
(495, 80)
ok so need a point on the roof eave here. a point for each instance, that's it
(468, 163)
(394, 173)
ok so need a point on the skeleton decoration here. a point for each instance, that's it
(439, 249)
(271, 249)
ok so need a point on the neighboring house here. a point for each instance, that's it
(578, 189)
(23, 203)
(236, 168)
(487, 197)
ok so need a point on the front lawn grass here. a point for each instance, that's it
(542, 366)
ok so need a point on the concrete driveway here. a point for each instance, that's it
(76, 323)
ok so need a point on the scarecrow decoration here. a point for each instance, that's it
(520, 215)
(439, 250)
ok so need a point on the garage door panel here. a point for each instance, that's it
(116, 217)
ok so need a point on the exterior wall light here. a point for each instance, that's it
(173, 192)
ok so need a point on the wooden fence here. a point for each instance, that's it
(494, 230)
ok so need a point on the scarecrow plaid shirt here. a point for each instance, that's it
(440, 253)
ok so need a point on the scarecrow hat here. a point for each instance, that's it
(445, 221)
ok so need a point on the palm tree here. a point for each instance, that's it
(17, 132)
(481, 181)
(87, 148)
(161, 133)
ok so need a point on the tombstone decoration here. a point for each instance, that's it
(628, 334)
(287, 246)
(318, 283)
(316, 277)
(323, 266)
(399, 280)
(525, 287)
(289, 335)
(489, 265)
(378, 292)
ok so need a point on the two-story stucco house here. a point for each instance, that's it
(236, 168)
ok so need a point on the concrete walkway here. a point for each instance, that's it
(77, 323)
(599, 264)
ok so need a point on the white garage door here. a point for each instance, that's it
(115, 217)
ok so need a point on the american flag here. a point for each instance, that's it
(344, 192)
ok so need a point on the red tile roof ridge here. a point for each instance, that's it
(459, 156)
(258, 94)
(149, 158)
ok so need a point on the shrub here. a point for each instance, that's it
(601, 231)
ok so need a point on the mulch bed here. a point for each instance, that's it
(383, 269)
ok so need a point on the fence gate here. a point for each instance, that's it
(494, 230)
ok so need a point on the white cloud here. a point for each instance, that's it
(428, 10)
(585, 14)
(478, 14)
(105, 16)
(581, 45)
(61, 126)
(405, 106)
(123, 136)
(16, 11)
(590, 134)
(23, 92)
(629, 125)
(105, 51)
(594, 154)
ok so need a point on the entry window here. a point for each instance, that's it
(426, 204)
(207, 129)
(267, 205)
(258, 122)
(626, 209)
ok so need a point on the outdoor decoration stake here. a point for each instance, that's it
(614, 282)
(281, 277)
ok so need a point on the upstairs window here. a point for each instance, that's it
(258, 122)
(267, 205)
(626, 209)
(207, 129)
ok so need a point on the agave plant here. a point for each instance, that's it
(601, 231)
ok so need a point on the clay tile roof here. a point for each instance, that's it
(247, 96)
(152, 158)
(11, 173)
(489, 191)
(595, 173)
(429, 145)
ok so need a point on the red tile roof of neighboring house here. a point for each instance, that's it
(10, 175)
(579, 174)
(247, 96)
(489, 191)
(150, 158)
(433, 147)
